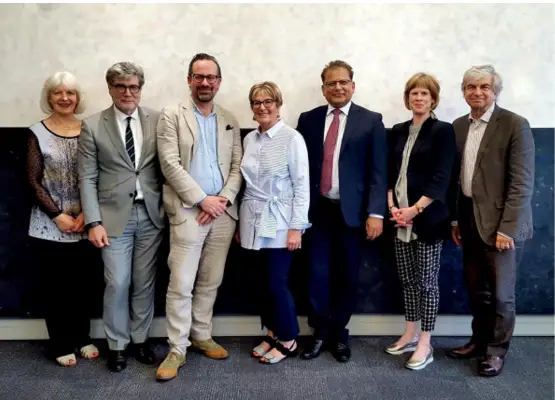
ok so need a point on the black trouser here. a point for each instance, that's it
(64, 282)
(276, 303)
(335, 256)
(490, 278)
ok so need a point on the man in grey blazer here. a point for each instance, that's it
(199, 146)
(493, 214)
(120, 182)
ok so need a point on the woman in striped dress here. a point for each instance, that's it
(273, 216)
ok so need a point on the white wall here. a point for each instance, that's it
(289, 44)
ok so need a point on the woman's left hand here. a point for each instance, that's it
(293, 239)
(79, 224)
(404, 216)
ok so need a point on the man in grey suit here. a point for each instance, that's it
(200, 151)
(120, 182)
(494, 213)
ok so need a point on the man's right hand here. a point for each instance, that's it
(98, 236)
(456, 235)
(65, 222)
(213, 205)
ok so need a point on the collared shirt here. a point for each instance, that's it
(475, 134)
(277, 193)
(137, 131)
(205, 168)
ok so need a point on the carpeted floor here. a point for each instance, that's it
(371, 374)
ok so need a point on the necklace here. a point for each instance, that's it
(66, 127)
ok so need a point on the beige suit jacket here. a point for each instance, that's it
(503, 178)
(177, 140)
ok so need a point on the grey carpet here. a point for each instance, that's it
(371, 374)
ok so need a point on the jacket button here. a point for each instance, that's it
(137, 173)
(131, 194)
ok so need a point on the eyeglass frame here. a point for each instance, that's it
(207, 77)
(133, 89)
(258, 104)
(332, 84)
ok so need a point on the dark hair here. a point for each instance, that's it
(337, 64)
(204, 56)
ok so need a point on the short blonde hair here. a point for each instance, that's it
(267, 88)
(66, 79)
(422, 80)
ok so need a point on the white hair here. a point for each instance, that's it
(57, 79)
(483, 71)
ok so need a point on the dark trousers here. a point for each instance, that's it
(276, 303)
(64, 283)
(335, 254)
(490, 278)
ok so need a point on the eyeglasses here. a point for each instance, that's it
(342, 83)
(200, 78)
(134, 89)
(267, 103)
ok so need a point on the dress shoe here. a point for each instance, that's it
(143, 353)
(210, 349)
(116, 361)
(403, 348)
(170, 366)
(341, 352)
(313, 350)
(469, 350)
(417, 365)
(491, 366)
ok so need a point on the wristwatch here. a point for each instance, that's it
(419, 208)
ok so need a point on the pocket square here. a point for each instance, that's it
(228, 127)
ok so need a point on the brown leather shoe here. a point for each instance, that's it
(469, 350)
(210, 349)
(491, 366)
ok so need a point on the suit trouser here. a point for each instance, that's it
(418, 264)
(490, 278)
(130, 264)
(335, 254)
(197, 253)
(64, 275)
(275, 301)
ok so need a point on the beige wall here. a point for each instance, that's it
(289, 44)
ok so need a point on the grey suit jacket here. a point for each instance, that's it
(177, 138)
(107, 178)
(503, 179)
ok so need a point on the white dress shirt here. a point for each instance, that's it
(475, 134)
(137, 131)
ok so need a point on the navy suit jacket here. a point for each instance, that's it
(362, 162)
(428, 173)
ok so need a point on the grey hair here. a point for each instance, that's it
(125, 69)
(69, 81)
(483, 71)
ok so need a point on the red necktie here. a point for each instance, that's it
(329, 149)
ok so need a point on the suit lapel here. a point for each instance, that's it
(491, 128)
(424, 131)
(144, 117)
(319, 126)
(112, 129)
(220, 121)
(461, 132)
(350, 126)
(189, 112)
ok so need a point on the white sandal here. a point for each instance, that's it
(68, 360)
(89, 351)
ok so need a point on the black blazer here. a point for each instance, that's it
(428, 173)
(362, 162)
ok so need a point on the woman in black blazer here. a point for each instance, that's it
(421, 154)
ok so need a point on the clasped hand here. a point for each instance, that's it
(403, 216)
(211, 208)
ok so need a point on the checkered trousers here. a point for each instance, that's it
(418, 265)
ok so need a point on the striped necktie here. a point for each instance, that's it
(129, 144)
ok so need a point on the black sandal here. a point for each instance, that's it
(268, 339)
(287, 352)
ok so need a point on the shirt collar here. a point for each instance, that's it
(200, 113)
(273, 130)
(486, 117)
(120, 116)
(345, 109)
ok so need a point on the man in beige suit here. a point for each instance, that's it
(200, 152)
(493, 215)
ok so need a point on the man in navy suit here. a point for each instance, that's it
(347, 149)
